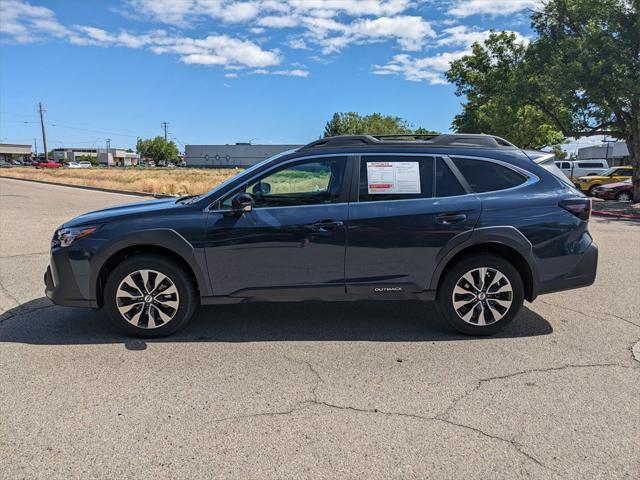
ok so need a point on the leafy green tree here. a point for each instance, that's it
(580, 76)
(558, 152)
(489, 77)
(158, 149)
(352, 123)
(587, 61)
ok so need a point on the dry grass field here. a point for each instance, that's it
(176, 181)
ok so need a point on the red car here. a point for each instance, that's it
(47, 164)
(622, 191)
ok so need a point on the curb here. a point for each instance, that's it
(97, 189)
(606, 213)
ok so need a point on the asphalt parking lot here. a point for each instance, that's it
(314, 390)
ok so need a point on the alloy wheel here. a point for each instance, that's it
(624, 196)
(482, 296)
(147, 299)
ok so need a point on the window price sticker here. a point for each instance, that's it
(393, 177)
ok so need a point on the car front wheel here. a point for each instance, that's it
(592, 190)
(480, 294)
(149, 296)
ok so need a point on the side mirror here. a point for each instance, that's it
(261, 188)
(242, 202)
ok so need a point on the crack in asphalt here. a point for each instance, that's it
(33, 254)
(21, 311)
(8, 294)
(589, 314)
(442, 417)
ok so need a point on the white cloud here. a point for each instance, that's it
(182, 13)
(467, 8)
(22, 22)
(428, 69)
(298, 72)
(432, 67)
(294, 73)
(462, 35)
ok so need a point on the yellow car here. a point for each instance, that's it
(615, 174)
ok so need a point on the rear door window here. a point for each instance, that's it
(395, 177)
(485, 176)
(447, 185)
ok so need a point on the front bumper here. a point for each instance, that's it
(582, 274)
(605, 194)
(67, 279)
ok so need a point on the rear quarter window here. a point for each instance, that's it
(485, 176)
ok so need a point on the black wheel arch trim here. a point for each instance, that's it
(501, 235)
(165, 238)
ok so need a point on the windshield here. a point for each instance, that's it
(608, 172)
(244, 173)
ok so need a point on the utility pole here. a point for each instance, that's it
(44, 135)
(108, 150)
(35, 142)
(165, 125)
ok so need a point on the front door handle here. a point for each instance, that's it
(450, 218)
(325, 226)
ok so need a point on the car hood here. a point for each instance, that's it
(128, 209)
(613, 186)
(594, 177)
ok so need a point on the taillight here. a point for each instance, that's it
(580, 207)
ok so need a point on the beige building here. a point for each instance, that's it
(14, 151)
(117, 157)
(63, 155)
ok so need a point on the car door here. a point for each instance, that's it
(291, 242)
(407, 208)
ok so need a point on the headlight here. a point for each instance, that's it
(66, 236)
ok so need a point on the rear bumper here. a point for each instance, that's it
(582, 274)
(67, 281)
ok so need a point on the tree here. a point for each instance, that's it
(158, 149)
(558, 152)
(581, 75)
(352, 123)
(489, 78)
(587, 62)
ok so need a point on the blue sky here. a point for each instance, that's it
(271, 71)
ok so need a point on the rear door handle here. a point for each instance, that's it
(326, 226)
(450, 218)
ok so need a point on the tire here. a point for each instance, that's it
(624, 196)
(591, 191)
(165, 306)
(485, 316)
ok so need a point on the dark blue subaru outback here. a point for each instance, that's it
(469, 221)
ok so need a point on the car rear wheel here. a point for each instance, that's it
(480, 294)
(149, 296)
(624, 196)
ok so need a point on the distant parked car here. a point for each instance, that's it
(85, 164)
(622, 191)
(5, 164)
(582, 168)
(73, 165)
(17, 163)
(47, 164)
(613, 175)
